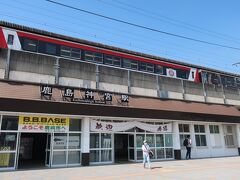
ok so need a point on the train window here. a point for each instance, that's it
(51, 48)
(130, 64)
(237, 82)
(93, 56)
(112, 60)
(227, 81)
(146, 67)
(70, 52)
(158, 69)
(65, 51)
(182, 74)
(214, 78)
(76, 53)
(30, 45)
(10, 39)
(192, 75)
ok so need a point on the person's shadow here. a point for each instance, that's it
(158, 167)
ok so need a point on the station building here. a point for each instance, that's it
(70, 102)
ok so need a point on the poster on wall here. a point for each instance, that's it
(61, 141)
(102, 126)
(43, 124)
(5, 157)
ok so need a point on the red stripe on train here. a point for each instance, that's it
(3, 43)
(84, 47)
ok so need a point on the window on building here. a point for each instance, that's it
(200, 135)
(215, 137)
(130, 64)
(184, 131)
(70, 52)
(75, 125)
(112, 60)
(146, 67)
(30, 45)
(9, 123)
(94, 56)
(214, 129)
(229, 136)
(10, 39)
(51, 48)
(199, 128)
(184, 128)
(100, 147)
(158, 69)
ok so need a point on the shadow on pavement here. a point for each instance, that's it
(156, 167)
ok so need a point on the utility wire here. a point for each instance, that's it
(125, 35)
(168, 54)
(144, 27)
(176, 22)
(149, 14)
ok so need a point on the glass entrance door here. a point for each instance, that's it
(32, 150)
(131, 147)
(48, 158)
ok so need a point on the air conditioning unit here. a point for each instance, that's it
(163, 94)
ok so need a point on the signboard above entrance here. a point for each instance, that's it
(102, 126)
(43, 124)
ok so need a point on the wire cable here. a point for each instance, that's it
(144, 27)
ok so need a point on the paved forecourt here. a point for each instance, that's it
(215, 168)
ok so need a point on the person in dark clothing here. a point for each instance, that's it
(188, 145)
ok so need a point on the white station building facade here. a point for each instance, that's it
(70, 102)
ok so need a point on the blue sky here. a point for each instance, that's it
(209, 20)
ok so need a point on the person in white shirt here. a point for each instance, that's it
(146, 150)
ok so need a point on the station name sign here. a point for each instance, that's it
(85, 95)
(43, 124)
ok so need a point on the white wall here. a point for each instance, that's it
(31, 77)
(113, 87)
(233, 102)
(209, 150)
(2, 72)
(192, 97)
(215, 100)
(65, 81)
(175, 95)
(144, 91)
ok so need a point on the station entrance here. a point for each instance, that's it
(121, 148)
(32, 150)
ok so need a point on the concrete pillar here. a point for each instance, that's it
(238, 137)
(57, 67)
(222, 135)
(176, 141)
(129, 82)
(204, 90)
(97, 77)
(183, 89)
(85, 141)
(158, 87)
(224, 97)
(7, 66)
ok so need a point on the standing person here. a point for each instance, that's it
(146, 151)
(188, 143)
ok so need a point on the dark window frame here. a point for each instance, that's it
(10, 39)
(130, 64)
(93, 57)
(30, 45)
(113, 60)
(70, 51)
